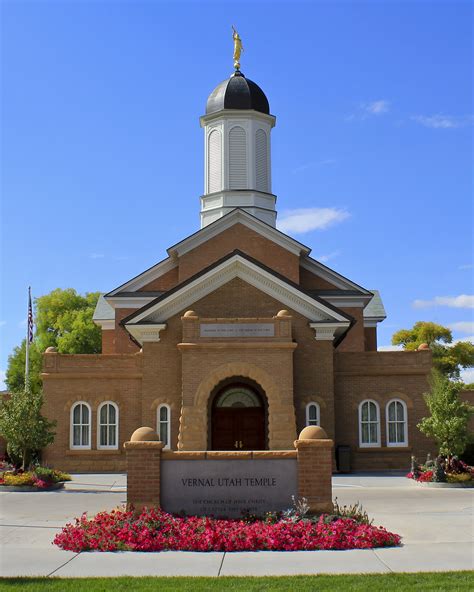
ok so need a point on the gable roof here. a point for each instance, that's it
(375, 309)
(331, 276)
(238, 216)
(144, 278)
(237, 264)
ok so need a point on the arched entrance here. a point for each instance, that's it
(238, 415)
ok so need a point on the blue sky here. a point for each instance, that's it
(102, 153)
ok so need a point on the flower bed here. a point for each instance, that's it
(155, 530)
(38, 479)
(443, 472)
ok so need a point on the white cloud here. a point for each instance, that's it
(328, 257)
(467, 375)
(467, 266)
(3, 374)
(440, 121)
(469, 338)
(97, 255)
(463, 326)
(461, 301)
(307, 219)
(316, 163)
(376, 107)
(389, 348)
(3, 323)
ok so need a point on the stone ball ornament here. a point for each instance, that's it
(51, 350)
(283, 313)
(423, 346)
(313, 433)
(144, 434)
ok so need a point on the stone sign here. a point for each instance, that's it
(226, 488)
(237, 330)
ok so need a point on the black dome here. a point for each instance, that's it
(237, 92)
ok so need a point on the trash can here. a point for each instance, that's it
(343, 459)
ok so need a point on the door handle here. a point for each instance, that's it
(241, 444)
(236, 445)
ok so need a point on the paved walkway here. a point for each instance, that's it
(437, 526)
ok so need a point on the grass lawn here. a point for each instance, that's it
(458, 581)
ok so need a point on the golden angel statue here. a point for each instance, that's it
(238, 48)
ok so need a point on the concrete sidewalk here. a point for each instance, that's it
(437, 526)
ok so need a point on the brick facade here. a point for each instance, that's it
(182, 370)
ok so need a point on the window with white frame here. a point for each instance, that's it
(164, 423)
(312, 414)
(107, 425)
(396, 415)
(80, 425)
(369, 424)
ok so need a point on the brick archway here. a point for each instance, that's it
(281, 413)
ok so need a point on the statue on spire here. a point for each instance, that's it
(238, 48)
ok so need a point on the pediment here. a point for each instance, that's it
(237, 265)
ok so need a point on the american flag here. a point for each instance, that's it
(30, 318)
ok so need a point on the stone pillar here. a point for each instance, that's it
(143, 454)
(314, 455)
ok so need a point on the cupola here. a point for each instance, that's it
(237, 172)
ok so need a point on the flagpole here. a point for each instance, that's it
(28, 336)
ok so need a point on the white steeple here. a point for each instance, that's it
(237, 173)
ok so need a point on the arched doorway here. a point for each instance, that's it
(238, 418)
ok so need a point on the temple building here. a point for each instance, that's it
(238, 338)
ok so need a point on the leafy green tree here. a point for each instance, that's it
(448, 359)
(63, 319)
(23, 426)
(15, 374)
(449, 416)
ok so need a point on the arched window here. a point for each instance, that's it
(396, 415)
(107, 425)
(80, 425)
(312, 414)
(214, 162)
(369, 424)
(164, 423)
(261, 160)
(237, 158)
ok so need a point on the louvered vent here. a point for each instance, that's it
(261, 160)
(214, 172)
(237, 158)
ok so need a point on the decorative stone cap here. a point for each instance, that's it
(190, 314)
(144, 434)
(283, 313)
(313, 433)
(51, 350)
(423, 346)
(147, 445)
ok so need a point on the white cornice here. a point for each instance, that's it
(238, 266)
(373, 321)
(330, 275)
(237, 114)
(128, 301)
(146, 277)
(106, 325)
(347, 301)
(238, 216)
(327, 331)
(146, 333)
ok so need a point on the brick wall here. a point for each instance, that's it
(246, 240)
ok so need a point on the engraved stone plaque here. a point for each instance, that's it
(226, 488)
(237, 330)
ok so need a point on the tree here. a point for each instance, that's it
(448, 359)
(63, 319)
(449, 416)
(23, 426)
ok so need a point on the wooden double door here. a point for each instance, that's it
(238, 428)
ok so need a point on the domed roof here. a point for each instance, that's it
(237, 92)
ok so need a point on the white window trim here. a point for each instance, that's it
(318, 413)
(405, 418)
(167, 445)
(73, 446)
(108, 447)
(372, 444)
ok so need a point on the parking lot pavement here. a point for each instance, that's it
(437, 526)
